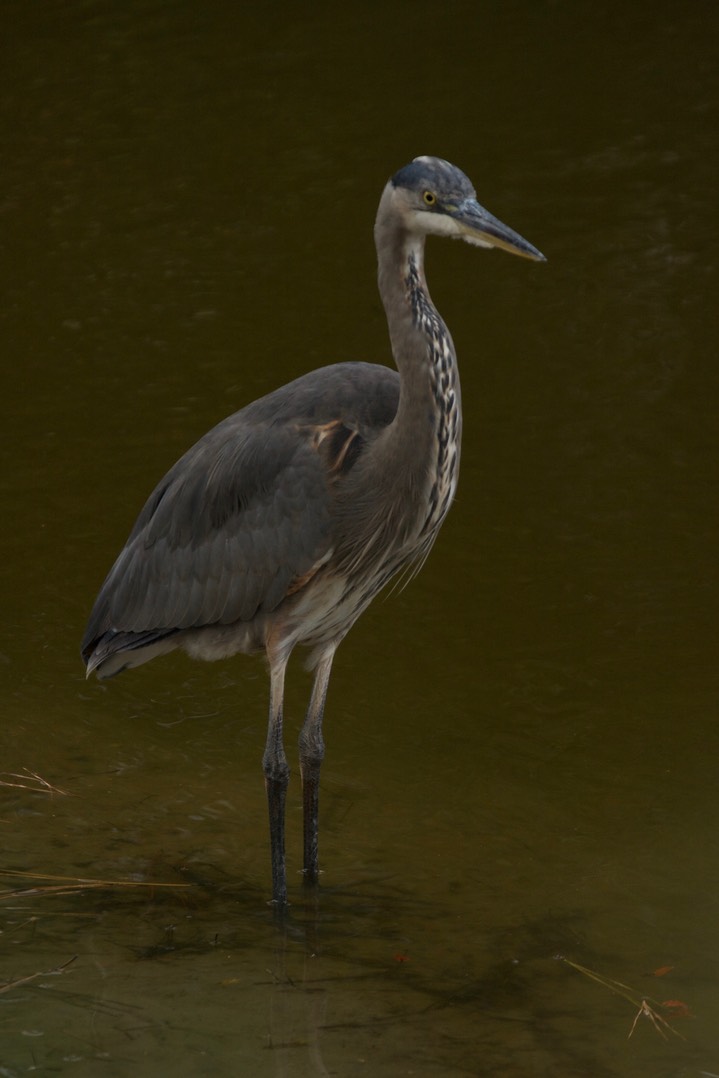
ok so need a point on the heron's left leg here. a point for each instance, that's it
(312, 750)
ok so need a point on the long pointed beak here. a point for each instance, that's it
(477, 225)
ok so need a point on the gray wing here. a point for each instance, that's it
(247, 510)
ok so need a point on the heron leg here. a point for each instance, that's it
(312, 750)
(277, 776)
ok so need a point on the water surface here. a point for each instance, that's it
(522, 745)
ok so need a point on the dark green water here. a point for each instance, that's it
(522, 746)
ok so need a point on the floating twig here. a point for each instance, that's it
(33, 976)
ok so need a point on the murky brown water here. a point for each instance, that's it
(522, 745)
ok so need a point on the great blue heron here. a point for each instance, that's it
(283, 522)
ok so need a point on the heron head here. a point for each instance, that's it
(434, 197)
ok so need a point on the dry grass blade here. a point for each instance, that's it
(655, 1018)
(31, 781)
(645, 1005)
(66, 885)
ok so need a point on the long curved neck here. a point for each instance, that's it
(424, 438)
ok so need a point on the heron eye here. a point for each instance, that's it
(430, 198)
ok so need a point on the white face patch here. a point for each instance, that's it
(440, 224)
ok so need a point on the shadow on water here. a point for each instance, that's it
(314, 980)
(196, 974)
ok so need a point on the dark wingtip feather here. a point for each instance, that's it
(112, 644)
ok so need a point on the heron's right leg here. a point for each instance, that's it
(277, 776)
(312, 751)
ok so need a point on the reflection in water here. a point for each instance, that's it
(521, 755)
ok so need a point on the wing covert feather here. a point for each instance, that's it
(243, 513)
(220, 541)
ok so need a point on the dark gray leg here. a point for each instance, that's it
(312, 750)
(277, 776)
